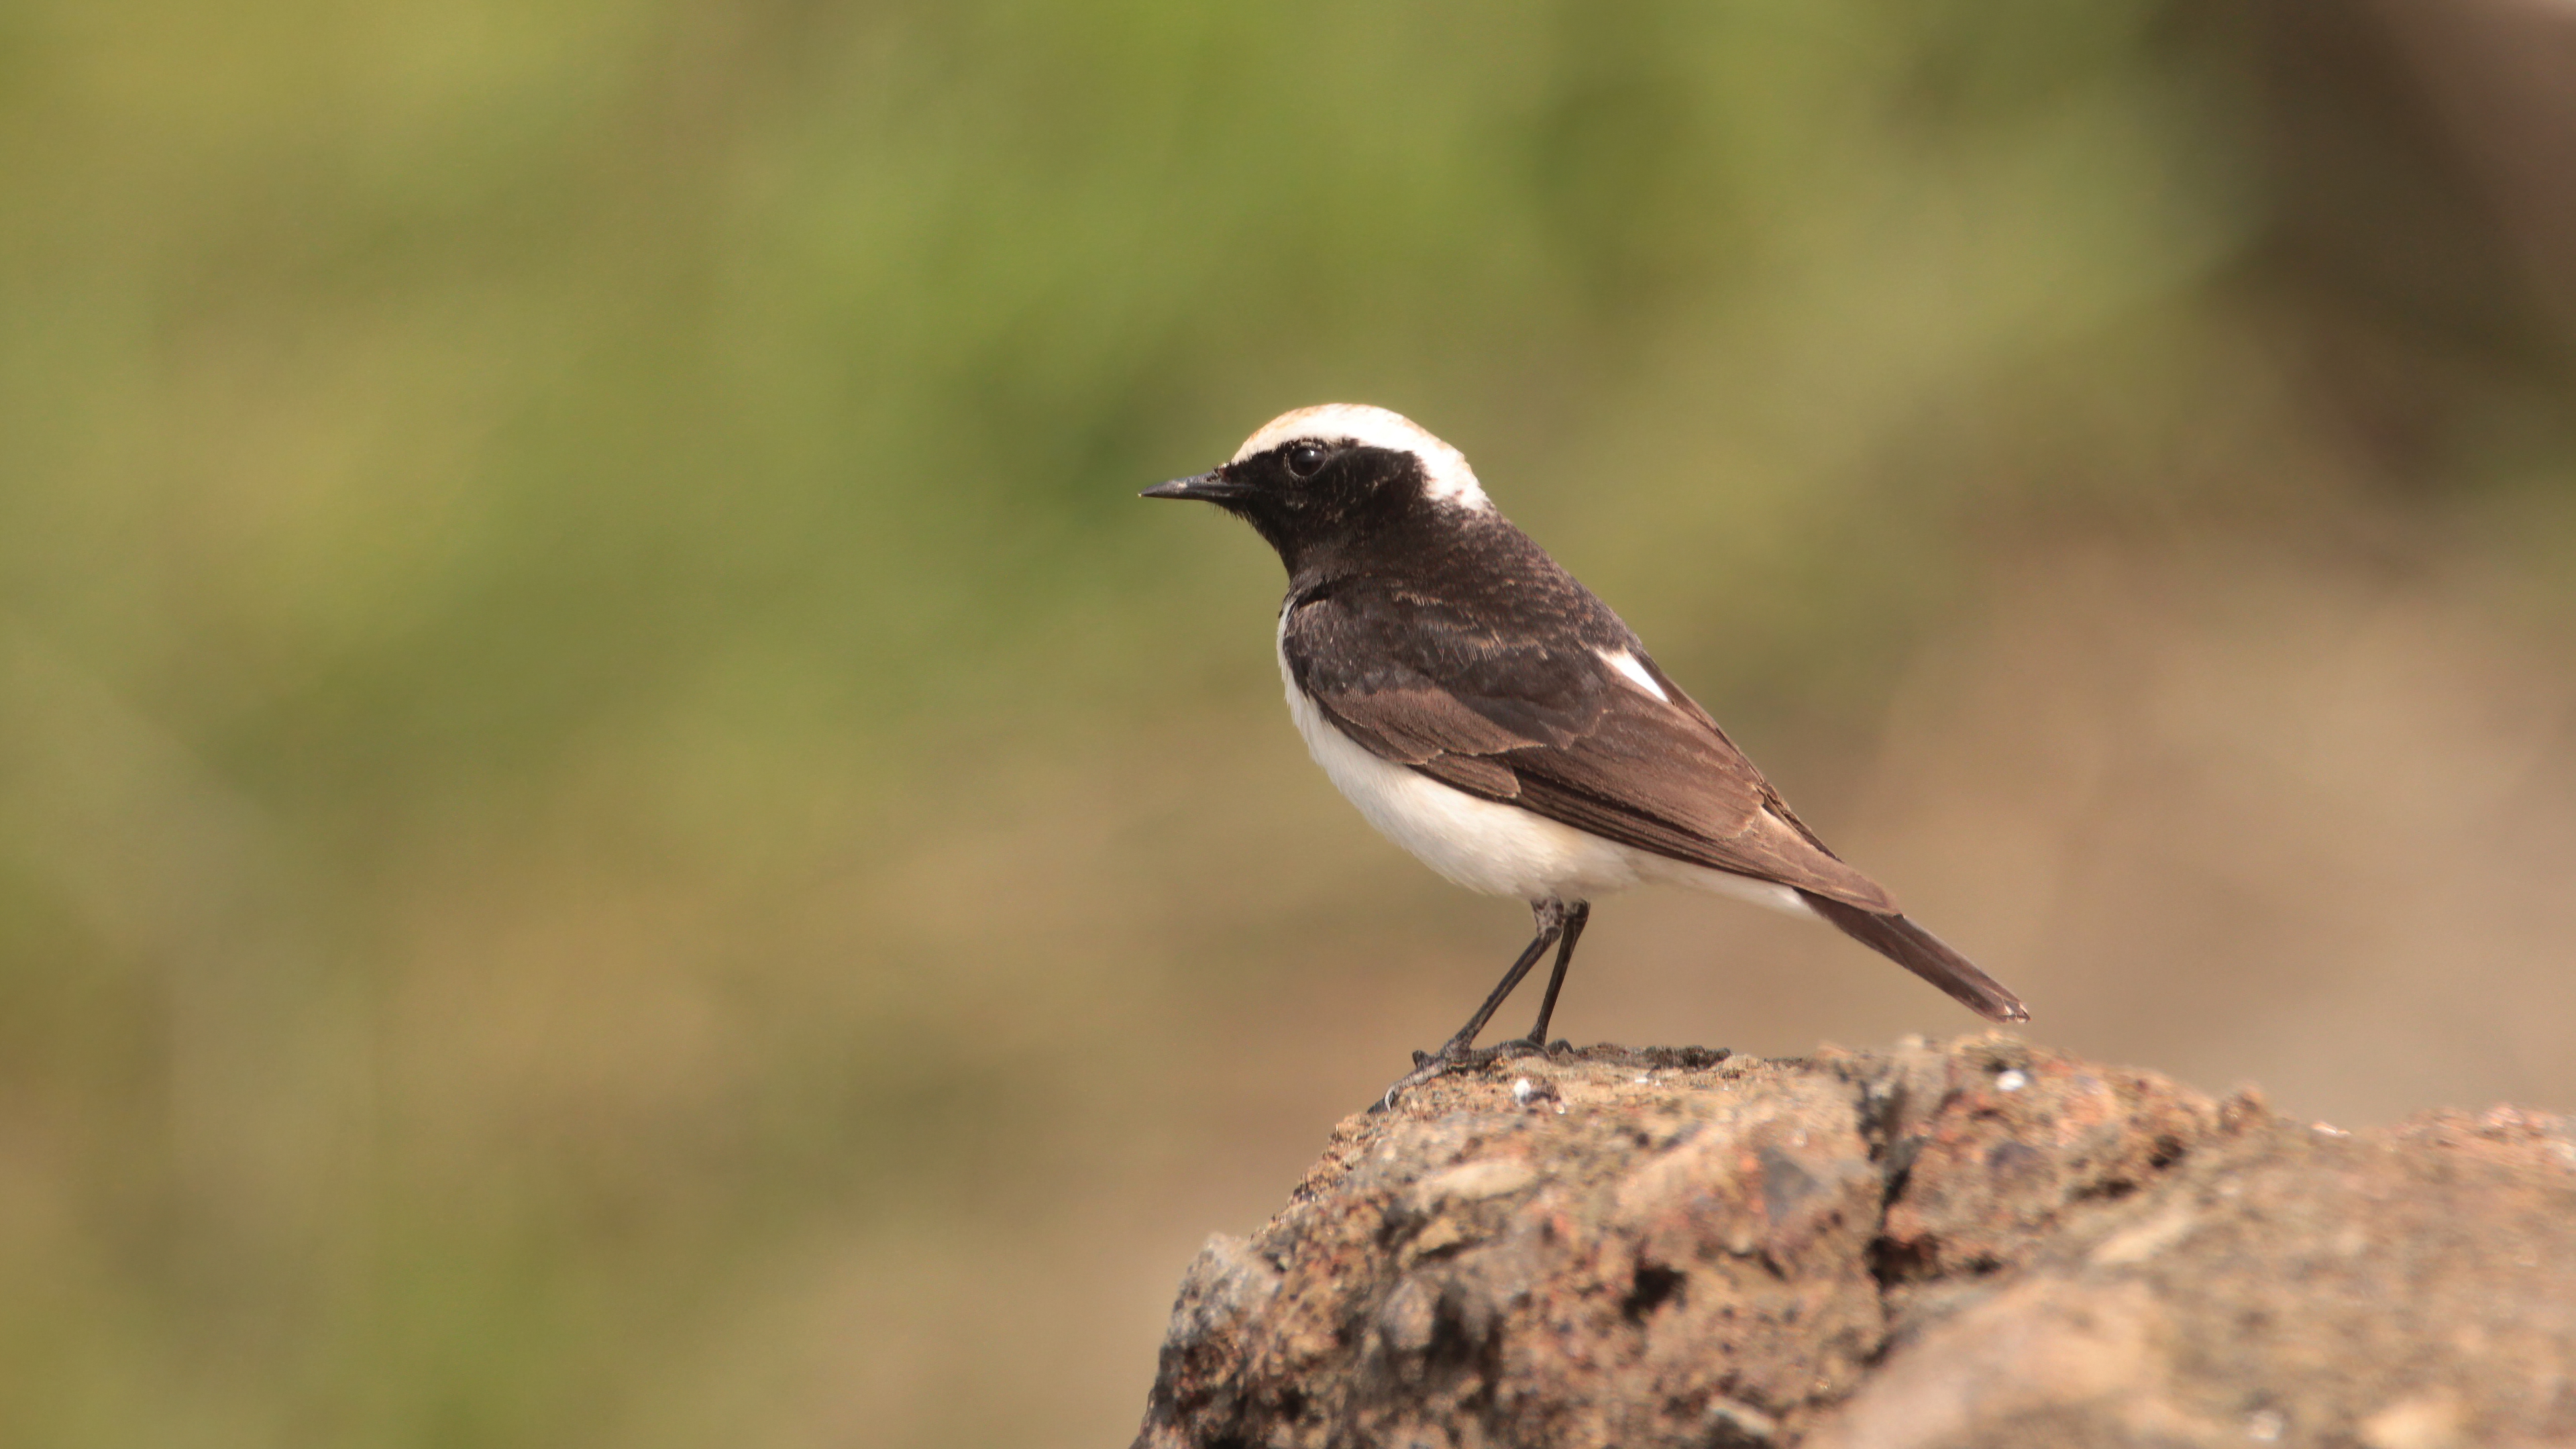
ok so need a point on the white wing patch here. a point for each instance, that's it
(1635, 669)
(1447, 478)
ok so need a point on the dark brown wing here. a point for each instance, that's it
(1540, 720)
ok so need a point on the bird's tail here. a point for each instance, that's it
(1921, 952)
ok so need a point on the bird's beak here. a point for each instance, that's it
(1208, 487)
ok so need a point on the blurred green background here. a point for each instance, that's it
(616, 829)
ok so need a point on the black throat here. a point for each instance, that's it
(1363, 528)
(1367, 507)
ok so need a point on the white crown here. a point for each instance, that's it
(1447, 478)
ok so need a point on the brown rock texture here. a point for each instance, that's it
(1979, 1243)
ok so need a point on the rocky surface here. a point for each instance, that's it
(1978, 1243)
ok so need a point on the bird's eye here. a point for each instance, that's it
(1305, 460)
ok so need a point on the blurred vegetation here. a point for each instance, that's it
(618, 831)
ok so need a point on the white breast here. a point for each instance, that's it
(1500, 850)
(1492, 848)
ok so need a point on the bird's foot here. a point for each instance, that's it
(1427, 1065)
(1456, 1056)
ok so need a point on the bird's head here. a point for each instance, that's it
(1322, 476)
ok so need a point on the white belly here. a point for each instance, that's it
(1492, 848)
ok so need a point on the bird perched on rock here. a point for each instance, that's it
(1487, 713)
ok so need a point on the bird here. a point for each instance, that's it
(1493, 717)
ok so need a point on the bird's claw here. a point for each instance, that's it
(1450, 1058)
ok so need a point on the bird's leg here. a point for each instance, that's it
(1460, 1050)
(1550, 918)
(1575, 916)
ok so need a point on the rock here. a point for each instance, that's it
(1980, 1243)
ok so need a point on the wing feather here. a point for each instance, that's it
(1542, 723)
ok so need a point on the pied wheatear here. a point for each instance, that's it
(1487, 713)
